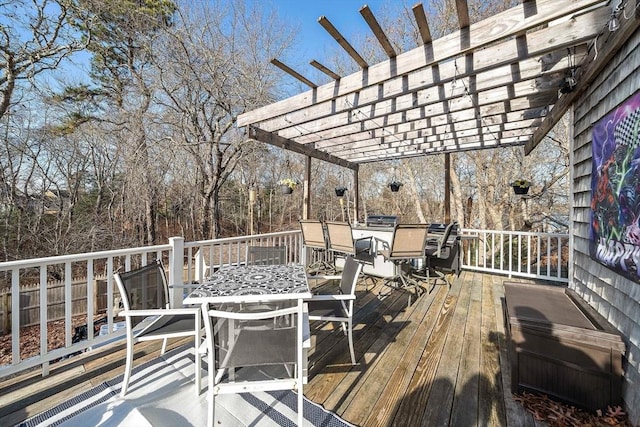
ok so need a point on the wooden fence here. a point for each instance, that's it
(30, 301)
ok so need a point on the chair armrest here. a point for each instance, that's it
(384, 243)
(160, 312)
(331, 297)
(323, 277)
(369, 238)
(185, 286)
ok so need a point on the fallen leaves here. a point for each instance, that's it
(557, 414)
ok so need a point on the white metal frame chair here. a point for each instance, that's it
(407, 244)
(338, 307)
(244, 348)
(145, 294)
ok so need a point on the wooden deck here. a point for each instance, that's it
(441, 361)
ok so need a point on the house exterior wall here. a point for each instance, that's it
(612, 295)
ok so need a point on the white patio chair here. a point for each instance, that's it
(243, 360)
(338, 307)
(145, 297)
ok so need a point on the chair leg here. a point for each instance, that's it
(353, 356)
(127, 367)
(196, 347)
(211, 396)
(164, 346)
(300, 401)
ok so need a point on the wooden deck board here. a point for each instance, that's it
(465, 404)
(441, 361)
(437, 410)
(409, 343)
(491, 409)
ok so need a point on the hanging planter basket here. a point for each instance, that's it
(395, 186)
(340, 191)
(521, 186)
(287, 185)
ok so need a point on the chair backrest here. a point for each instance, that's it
(408, 241)
(436, 247)
(313, 234)
(350, 275)
(143, 288)
(275, 345)
(340, 237)
(266, 255)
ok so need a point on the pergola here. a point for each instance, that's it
(504, 81)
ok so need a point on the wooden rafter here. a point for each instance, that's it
(371, 20)
(325, 70)
(328, 26)
(293, 73)
(463, 13)
(421, 22)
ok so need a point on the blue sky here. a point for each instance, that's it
(343, 14)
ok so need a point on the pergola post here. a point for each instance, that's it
(447, 188)
(356, 195)
(306, 197)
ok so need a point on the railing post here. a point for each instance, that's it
(176, 269)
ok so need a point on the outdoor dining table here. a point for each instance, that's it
(235, 285)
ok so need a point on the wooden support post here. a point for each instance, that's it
(306, 193)
(356, 196)
(447, 188)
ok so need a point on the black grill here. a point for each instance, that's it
(382, 220)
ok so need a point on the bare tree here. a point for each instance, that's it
(213, 68)
(35, 36)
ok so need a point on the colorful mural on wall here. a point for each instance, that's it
(615, 190)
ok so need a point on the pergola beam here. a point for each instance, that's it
(333, 32)
(293, 73)
(287, 144)
(371, 20)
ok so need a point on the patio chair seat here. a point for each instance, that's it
(275, 347)
(169, 324)
(329, 308)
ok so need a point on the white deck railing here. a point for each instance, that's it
(531, 255)
(543, 256)
(180, 259)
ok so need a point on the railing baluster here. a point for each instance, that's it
(15, 316)
(43, 318)
(110, 294)
(528, 253)
(90, 298)
(548, 255)
(68, 305)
